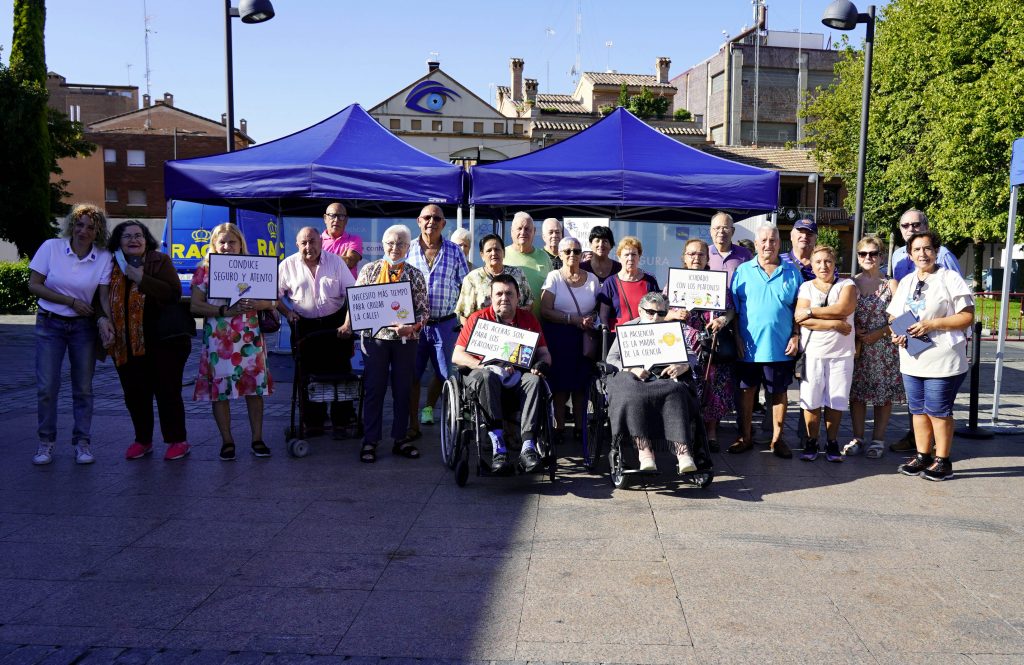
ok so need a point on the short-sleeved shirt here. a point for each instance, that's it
(536, 265)
(342, 244)
(806, 271)
(585, 294)
(903, 265)
(610, 298)
(314, 297)
(524, 319)
(476, 290)
(765, 304)
(68, 275)
(556, 261)
(588, 265)
(943, 294)
(826, 343)
(734, 258)
(444, 277)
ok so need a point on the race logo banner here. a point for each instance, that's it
(697, 289)
(237, 276)
(377, 306)
(497, 341)
(648, 344)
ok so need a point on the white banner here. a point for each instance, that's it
(648, 344)
(497, 341)
(237, 276)
(377, 306)
(697, 289)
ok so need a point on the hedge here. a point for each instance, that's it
(14, 295)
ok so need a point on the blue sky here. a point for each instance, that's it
(317, 56)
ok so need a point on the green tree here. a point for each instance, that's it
(646, 105)
(623, 99)
(946, 105)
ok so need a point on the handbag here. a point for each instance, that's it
(800, 367)
(591, 344)
(724, 349)
(175, 320)
(270, 321)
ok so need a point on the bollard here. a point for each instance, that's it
(972, 431)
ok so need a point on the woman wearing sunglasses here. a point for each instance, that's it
(943, 305)
(876, 369)
(568, 304)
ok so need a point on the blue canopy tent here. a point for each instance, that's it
(622, 168)
(348, 157)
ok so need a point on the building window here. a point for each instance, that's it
(110, 195)
(499, 128)
(478, 128)
(457, 126)
(517, 129)
(136, 197)
(136, 158)
(437, 125)
(110, 156)
(395, 123)
(417, 125)
(717, 83)
(831, 196)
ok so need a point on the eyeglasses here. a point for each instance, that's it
(132, 236)
(391, 245)
(654, 312)
(912, 225)
(435, 218)
(572, 252)
(336, 215)
(918, 289)
(864, 255)
(694, 254)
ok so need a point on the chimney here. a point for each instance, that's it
(762, 16)
(432, 66)
(145, 101)
(243, 126)
(661, 67)
(224, 119)
(530, 90)
(168, 99)
(516, 65)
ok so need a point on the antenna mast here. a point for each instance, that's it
(577, 69)
(145, 14)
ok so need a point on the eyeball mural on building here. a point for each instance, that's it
(429, 97)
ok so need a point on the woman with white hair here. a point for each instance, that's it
(389, 354)
(464, 239)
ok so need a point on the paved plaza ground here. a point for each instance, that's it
(326, 560)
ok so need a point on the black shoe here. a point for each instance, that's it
(713, 446)
(500, 464)
(529, 460)
(810, 450)
(832, 453)
(905, 445)
(940, 469)
(259, 449)
(916, 465)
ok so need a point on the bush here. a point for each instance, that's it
(14, 295)
(682, 115)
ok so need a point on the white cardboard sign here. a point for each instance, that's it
(497, 341)
(237, 276)
(648, 344)
(697, 289)
(377, 306)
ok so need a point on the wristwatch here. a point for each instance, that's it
(809, 315)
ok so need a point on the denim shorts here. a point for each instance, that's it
(932, 396)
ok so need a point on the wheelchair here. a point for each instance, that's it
(599, 445)
(327, 384)
(464, 430)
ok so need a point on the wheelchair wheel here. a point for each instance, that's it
(462, 472)
(290, 432)
(451, 415)
(298, 448)
(595, 429)
(617, 471)
(702, 479)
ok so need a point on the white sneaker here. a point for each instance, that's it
(854, 447)
(686, 463)
(44, 454)
(82, 454)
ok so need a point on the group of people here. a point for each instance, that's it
(118, 295)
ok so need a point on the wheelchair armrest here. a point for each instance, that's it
(605, 369)
(463, 370)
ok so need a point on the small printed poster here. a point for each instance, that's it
(377, 306)
(648, 344)
(237, 276)
(497, 341)
(697, 289)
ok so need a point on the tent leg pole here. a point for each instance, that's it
(458, 217)
(472, 227)
(1004, 304)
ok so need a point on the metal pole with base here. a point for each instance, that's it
(972, 431)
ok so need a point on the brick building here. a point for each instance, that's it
(86, 103)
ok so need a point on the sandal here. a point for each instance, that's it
(853, 447)
(368, 453)
(404, 448)
(227, 451)
(410, 436)
(259, 449)
(875, 449)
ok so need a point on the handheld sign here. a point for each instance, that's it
(237, 276)
(497, 341)
(377, 306)
(648, 344)
(697, 289)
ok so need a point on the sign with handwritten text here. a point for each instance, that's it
(697, 289)
(377, 306)
(237, 276)
(497, 341)
(648, 344)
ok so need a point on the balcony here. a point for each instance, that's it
(789, 214)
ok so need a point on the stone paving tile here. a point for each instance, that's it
(592, 577)
(21, 595)
(170, 565)
(726, 654)
(316, 570)
(598, 652)
(240, 533)
(468, 574)
(50, 561)
(469, 542)
(86, 530)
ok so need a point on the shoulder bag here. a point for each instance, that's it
(800, 368)
(591, 344)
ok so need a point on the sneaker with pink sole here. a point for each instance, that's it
(138, 450)
(177, 451)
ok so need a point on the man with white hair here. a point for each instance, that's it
(535, 263)
(551, 231)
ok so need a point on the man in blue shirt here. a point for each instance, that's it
(803, 238)
(764, 292)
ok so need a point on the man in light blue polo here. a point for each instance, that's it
(764, 292)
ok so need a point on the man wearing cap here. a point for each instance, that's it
(346, 245)
(803, 237)
(535, 263)
(551, 232)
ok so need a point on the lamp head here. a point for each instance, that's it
(255, 11)
(840, 15)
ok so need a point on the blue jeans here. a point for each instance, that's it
(78, 338)
(932, 396)
(436, 345)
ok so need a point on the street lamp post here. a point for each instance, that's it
(843, 15)
(250, 11)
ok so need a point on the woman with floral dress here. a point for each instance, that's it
(233, 362)
(876, 369)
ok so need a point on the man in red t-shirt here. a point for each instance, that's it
(490, 382)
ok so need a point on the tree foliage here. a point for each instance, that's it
(646, 105)
(623, 99)
(947, 101)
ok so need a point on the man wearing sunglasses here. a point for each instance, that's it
(346, 245)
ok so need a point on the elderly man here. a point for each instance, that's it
(551, 231)
(764, 291)
(535, 263)
(723, 254)
(444, 267)
(803, 236)
(335, 241)
(489, 383)
(313, 283)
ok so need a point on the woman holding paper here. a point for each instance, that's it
(619, 298)
(939, 307)
(390, 353)
(233, 361)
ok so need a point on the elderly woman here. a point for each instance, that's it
(476, 288)
(64, 275)
(714, 381)
(600, 263)
(943, 305)
(568, 308)
(389, 355)
(233, 361)
(463, 239)
(876, 369)
(651, 410)
(824, 310)
(619, 298)
(148, 335)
